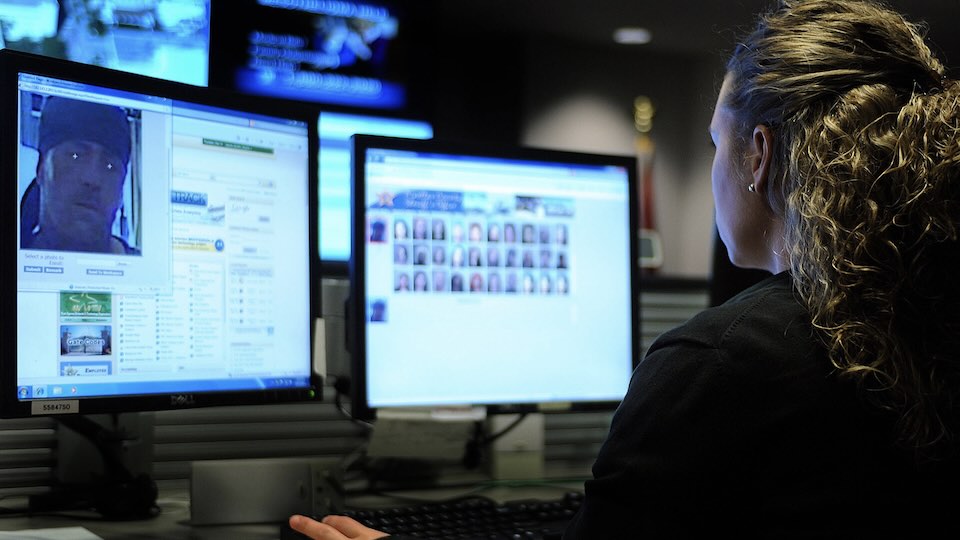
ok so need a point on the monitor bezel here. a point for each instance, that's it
(356, 316)
(14, 62)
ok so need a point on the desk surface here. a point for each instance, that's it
(173, 523)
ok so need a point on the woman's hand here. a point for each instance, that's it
(334, 528)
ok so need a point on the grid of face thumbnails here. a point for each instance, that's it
(448, 255)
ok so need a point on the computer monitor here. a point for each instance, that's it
(369, 54)
(335, 129)
(167, 39)
(165, 243)
(503, 277)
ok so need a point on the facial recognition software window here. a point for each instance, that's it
(89, 160)
(237, 198)
(515, 267)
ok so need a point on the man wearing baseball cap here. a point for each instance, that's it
(84, 153)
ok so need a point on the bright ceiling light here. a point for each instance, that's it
(632, 35)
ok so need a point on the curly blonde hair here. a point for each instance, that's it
(866, 174)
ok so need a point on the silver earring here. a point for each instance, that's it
(751, 188)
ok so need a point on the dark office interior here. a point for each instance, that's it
(539, 74)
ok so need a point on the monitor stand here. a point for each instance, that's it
(103, 465)
(516, 452)
(499, 446)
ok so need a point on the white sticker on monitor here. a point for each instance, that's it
(64, 406)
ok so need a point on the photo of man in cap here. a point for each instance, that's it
(84, 157)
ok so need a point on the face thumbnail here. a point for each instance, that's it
(491, 252)
(400, 229)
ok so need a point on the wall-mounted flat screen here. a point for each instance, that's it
(361, 54)
(166, 39)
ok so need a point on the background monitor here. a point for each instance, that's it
(201, 294)
(364, 54)
(335, 129)
(496, 276)
(167, 39)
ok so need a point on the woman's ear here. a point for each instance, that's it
(762, 156)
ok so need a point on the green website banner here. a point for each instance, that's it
(85, 306)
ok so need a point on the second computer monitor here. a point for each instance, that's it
(495, 276)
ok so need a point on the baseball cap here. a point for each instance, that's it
(65, 119)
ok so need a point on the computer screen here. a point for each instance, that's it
(335, 129)
(368, 54)
(167, 39)
(165, 243)
(495, 276)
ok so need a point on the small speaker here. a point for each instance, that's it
(263, 490)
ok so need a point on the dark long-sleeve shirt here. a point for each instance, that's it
(737, 422)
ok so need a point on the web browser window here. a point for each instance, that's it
(507, 279)
(210, 292)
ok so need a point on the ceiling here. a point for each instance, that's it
(678, 26)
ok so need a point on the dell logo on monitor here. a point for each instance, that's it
(182, 400)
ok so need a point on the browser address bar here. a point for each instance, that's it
(96, 98)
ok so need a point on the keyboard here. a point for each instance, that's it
(475, 518)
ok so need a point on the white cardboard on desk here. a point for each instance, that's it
(55, 533)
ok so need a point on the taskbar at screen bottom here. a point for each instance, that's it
(72, 389)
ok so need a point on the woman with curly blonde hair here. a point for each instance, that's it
(864, 148)
(820, 402)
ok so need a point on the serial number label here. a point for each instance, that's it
(67, 406)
